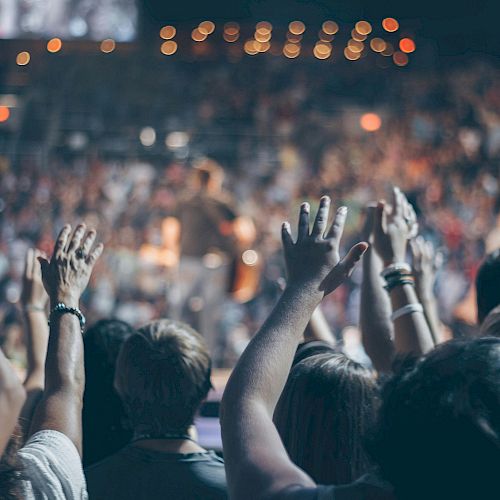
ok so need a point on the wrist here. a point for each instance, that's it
(308, 293)
(70, 300)
(33, 308)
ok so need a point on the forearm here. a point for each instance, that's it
(319, 329)
(431, 315)
(375, 314)
(37, 335)
(411, 331)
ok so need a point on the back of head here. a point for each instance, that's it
(487, 280)
(162, 376)
(328, 404)
(103, 417)
(439, 426)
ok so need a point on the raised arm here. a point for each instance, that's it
(257, 465)
(65, 277)
(12, 397)
(393, 228)
(33, 303)
(375, 322)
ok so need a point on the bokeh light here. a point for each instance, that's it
(108, 45)
(147, 136)
(198, 36)
(363, 27)
(4, 114)
(263, 27)
(54, 45)
(322, 50)
(407, 45)
(169, 47)
(400, 58)
(355, 46)
(330, 27)
(231, 29)
(251, 47)
(377, 44)
(168, 32)
(370, 122)
(325, 37)
(206, 27)
(23, 58)
(263, 37)
(291, 50)
(357, 36)
(250, 257)
(390, 24)
(389, 49)
(352, 56)
(297, 27)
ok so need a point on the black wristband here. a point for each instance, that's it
(62, 308)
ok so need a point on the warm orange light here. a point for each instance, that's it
(4, 113)
(330, 27)
(324, 37)
(263, 27)
(169, 47)
(322, 50)
(23, 58)
(352, 56)
(54, 45)
(370, 122)
(297, 27)
(206, 27)
(231, 38)
(198, 36)
(389, 50)
(168, 32)
(108, 45)
(407, 45)
(377, 44)
(264, 46)
(357, 36)
(355, 46)
(390, 24)
(293, 38)
(262, 37)
(400, 59)
(291, 50)
(231, 29)
(363, 27)
(251, 47)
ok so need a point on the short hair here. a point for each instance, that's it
(487, 280)
(162, 377)
(328, 405)
(491, 324)
(438, 434)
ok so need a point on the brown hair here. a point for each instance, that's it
(162, 376)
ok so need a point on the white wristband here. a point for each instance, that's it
(408, 309)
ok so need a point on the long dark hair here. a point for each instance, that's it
(327, 406)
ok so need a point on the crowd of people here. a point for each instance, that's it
(364, 343)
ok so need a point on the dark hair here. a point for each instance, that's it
(103, 417)
(162, 376)
(491, 324)
(328, 404)
(11, 472)
(438, 434)
(487, 280)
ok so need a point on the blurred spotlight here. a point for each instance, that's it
(363, 27)
(230, 38)
(4, 113)
(400, 59)
(169, 47)
(251, 47)
(168, 32)
(355, 35)
(263, 37)
(297, 27)
(198, 36)
(377, 44)
(355, 46)
(390, 24)
(330, 27)
(325, 37)
(23, 58)
(108, 45)
(389, 49)
(177, 140)
(352, 56)
(291, 50)
(77, 141)
(212, 260)
(370, 122)
(263, 28)
(407, 45)
(147, 136)
(206, 27)
(54, 45)
(231, 29)
(250, 257)
(78, 27)
(264, 46)
(322, 50)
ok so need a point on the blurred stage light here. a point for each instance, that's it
(322, 50)
(263, 27)
(23, 58)
(355, 46)
(251, 47)
(352, 56)
(169, 47)
(54, 45)
(355, 35)
(177, 140)
(250, 257)
(264, 46)
(198, 36)
(330, 27)
(108, 45)
(363, 27)
(390, 24)
(377, 44)
(147, 136)
(206, 27)
(168, 32)
(4, 113)
(407, 45)
(400, 59)
(293, 38)
(291, 50)
(296, 27)
(263, 37)
(230, 38)
(370, 122)
(389, 49)
(325, 37)
(231, 29)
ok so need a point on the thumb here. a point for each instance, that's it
(44, 265)
(353, 257)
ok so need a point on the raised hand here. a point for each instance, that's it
(33, 295)
(67, 274)
(313, 261)
(425, 262)
(394, 226)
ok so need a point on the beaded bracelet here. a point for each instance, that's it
(62, 308)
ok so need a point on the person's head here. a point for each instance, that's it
(327, 406)
(162, 377)
(11, 469)
(488, 291)
(438, 434)
(103, 418)
(491, 324)
(208, 176)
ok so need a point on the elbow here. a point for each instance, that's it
(14, 393)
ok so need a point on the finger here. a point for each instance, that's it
(338, 224)
(76, 238)
(397, 201)
(61, 241)
(429, 251)
(303, 229)
(321, 220)
(286, 236)
(28, 268)
(44, 265)
(354, 255)
(92, 258)
(88, 241)
(379, 222)
(37, 272)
